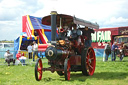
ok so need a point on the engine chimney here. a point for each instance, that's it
(53, 25)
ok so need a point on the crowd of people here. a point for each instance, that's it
(20, 56)
(108, 50)
(114, 51)
(74, 32)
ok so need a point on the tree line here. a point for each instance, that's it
(6, 41)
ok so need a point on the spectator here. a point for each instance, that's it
(18, 55)
(21, 57)
(107, 50)
(9, 58)
(35, 50)
(87, 33)
(29, 48)
(114, 51)
(122, 47)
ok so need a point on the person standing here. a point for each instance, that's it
(9, 58)
(87, 33)
(107, 50)
(35, 50)
(122, 47)
(29, 48)
(114, 50)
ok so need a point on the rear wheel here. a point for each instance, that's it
(88, 61)
(38, 69)
(67, 69)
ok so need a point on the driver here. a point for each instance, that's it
(75, 32)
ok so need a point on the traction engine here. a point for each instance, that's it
(67, 51)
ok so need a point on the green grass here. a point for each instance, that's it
(106, 73)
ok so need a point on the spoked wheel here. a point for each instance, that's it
(38, 69)
(88, 61)
(67, 69)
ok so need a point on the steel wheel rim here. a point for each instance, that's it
(39, 69)
(68, 70)
(90, 61)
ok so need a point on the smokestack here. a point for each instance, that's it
(53, 25)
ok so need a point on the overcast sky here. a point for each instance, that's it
(107, 13)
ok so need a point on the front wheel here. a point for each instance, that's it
(38, 69)
(67, 69)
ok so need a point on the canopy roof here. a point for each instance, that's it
(69, 20)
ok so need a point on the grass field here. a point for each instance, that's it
(106, 73)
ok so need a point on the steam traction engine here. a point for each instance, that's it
(67, 53)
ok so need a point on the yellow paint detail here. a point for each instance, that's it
(30, 23)
(35, 37)
(28, 38)
(44, 35)
(20, 42)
